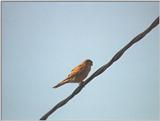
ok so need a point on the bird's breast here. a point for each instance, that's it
(83, 74)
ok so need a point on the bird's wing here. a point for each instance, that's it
(77, 70)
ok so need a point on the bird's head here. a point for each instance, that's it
(88, 61)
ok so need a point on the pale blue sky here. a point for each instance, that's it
(43, 41)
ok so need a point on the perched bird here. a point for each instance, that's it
(78, 74)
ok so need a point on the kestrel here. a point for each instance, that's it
(78, 74)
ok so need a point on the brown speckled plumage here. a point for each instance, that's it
(78, 74)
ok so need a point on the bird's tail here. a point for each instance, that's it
(61, 83)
